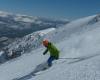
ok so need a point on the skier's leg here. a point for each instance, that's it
(51, 58)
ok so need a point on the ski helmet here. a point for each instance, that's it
(45, 42)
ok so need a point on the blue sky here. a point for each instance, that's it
(70, 9)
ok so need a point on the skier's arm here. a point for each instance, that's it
(45, 51)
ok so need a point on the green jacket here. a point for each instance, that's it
(53, 50)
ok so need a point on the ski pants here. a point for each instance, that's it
(51, 58)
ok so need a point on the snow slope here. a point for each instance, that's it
(84, 46)
(79, 39)
(27, 58)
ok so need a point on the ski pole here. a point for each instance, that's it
(69, 58)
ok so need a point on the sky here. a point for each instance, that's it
(59, 9)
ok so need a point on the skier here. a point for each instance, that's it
(54, 52)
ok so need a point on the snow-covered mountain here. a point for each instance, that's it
(79, 47)
(13, 26)
(30, 41)
(33, 40)
(26, 44)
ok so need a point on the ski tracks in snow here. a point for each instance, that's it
(41, 67)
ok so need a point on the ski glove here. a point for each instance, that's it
(45, 51)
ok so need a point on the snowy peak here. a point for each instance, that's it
(31, 41)
(90, 20)
(78, 26)
(87, 20)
